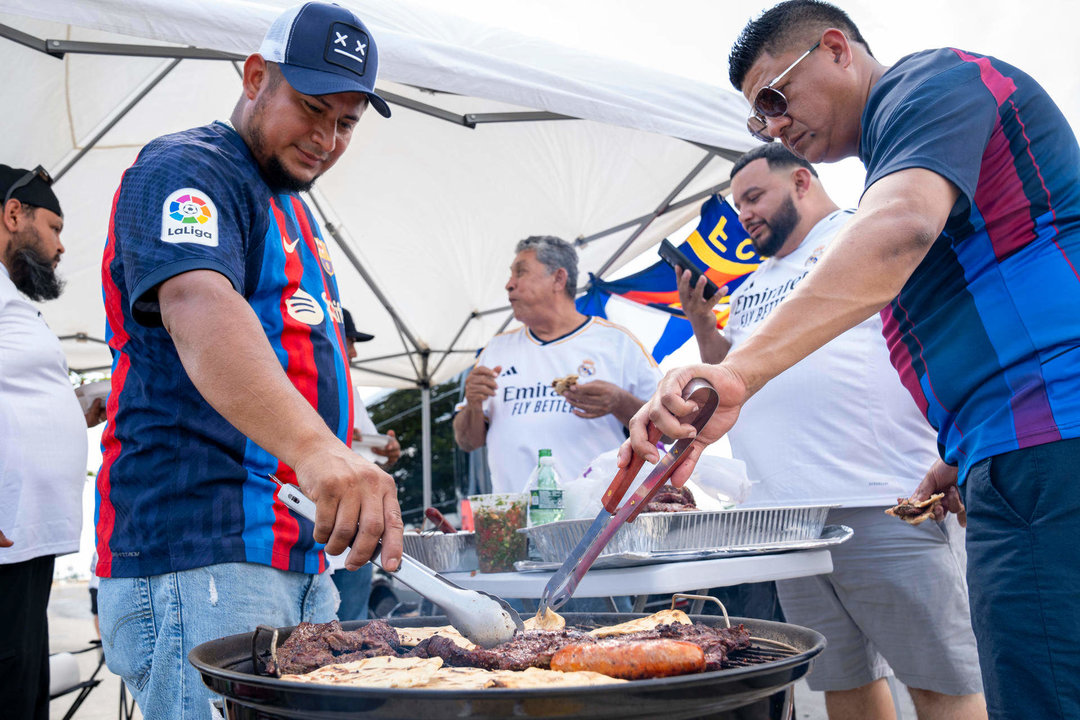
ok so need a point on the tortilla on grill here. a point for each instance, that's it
(382, 672)
(664, 617)
(550, 620)
(411, 637)
(430, 674)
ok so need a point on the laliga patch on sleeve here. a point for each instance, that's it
(189, 216)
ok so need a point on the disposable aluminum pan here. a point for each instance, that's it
(696, 530)
(443, 552)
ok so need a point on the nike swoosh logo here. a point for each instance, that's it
(289, 247)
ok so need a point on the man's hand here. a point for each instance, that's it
(355, 504)
(481, 384)
(712, 345)
(667, 409)
(941, 478)
(698, 308)
(96, 414)
(391, 450)
(4, 542)
(596, 398)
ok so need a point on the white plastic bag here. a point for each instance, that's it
(717, 483)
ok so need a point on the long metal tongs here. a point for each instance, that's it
(483, 618)
(562, 584)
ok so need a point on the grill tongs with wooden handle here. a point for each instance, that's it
(562, 584)
(485, 619)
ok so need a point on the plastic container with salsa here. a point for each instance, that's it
(497, 519)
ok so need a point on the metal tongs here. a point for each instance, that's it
(562, 584)
(483, 618)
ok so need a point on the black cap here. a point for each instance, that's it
(350, 330)
(32, 190)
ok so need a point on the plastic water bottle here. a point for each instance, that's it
(545, 495)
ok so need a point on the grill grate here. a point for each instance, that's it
(760, 651)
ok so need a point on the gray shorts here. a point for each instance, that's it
(896, 599)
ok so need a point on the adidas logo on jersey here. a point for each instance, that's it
(509, 371)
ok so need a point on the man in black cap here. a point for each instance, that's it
(229, 368)
(42, 439)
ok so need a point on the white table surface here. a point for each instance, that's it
(657, 579)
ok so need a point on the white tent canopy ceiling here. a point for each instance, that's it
(495, 136)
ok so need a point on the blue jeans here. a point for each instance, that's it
(355, 591)
(149, 624)
(1024, 579)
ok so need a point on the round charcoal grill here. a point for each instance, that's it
(752, 688)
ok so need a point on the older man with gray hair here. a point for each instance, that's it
(510, 403)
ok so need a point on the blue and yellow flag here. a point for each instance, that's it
(719, 246)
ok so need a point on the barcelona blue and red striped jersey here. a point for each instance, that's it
(179, 486)
(986, 332)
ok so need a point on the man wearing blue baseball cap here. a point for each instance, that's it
(230, 366)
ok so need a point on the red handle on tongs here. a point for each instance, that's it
(626, 475)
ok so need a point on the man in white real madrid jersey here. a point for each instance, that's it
(838, 427)
(509, 402)
(229, 365)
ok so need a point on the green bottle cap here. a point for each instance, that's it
(545, 453)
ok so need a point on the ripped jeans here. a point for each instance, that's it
(149, 624)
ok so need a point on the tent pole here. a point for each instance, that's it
(425, 424)
(109, 123)
(339, 238)
(655, 214)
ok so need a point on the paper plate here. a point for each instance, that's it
(91, 391)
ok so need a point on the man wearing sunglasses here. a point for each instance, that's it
(967, 241)
(42, 440)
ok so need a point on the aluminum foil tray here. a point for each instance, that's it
(679, 531)
(443, 552)
(830, 535)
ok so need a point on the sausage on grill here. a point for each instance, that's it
(632, 660)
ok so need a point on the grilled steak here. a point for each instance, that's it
(313, 646)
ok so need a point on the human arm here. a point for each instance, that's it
(899, 218)
(95, 414)
(598, 398)
(470, 425)
(391, 450)
(712, 345)
(226, 354)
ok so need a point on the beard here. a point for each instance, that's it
(781, 226)
(274, 172)
(31, 272)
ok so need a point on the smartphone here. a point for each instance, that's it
(674, 257)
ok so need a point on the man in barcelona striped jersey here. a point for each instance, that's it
(230, 364)
(967, 241)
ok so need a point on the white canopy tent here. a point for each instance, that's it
(495, 136)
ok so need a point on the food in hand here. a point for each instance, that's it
(915, 512)
(561, 385)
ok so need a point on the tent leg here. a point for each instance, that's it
(425, 442)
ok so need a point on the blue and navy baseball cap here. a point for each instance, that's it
(322, 49)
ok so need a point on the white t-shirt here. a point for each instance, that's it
(526, 415)
(42, 436)
(838, 427)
